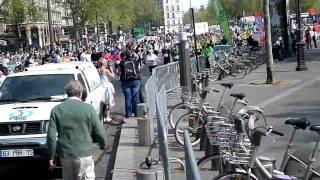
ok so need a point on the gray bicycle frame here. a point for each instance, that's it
(285, 160)
(288, 155)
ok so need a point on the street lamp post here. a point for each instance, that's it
(301, 64)
(50, 25)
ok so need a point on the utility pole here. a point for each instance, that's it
(195, 39)
(301, 64)
(50, 25)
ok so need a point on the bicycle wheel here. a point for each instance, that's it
(239, 71)
(210, 166)
(235, 176)
(214, 73)
(176, 112)
(192, 122)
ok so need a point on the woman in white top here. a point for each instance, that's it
(105, 70)
(151, 60)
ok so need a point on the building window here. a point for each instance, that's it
(168, 23)
(66, 32)
(173, 22)
(172, 8)
(167, 1)
(168, 15)
(177, 1)
(177, 8)
(167, 8)
(173, 16)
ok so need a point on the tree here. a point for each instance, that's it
(268, 44)
(201, 16)
(19, 11)
(80, 12)
(146, 12)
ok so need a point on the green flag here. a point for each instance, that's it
(219, 10)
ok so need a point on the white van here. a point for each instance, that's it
(26, 100)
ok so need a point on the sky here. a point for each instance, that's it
(194, 3)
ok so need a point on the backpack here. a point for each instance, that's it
(130, 70)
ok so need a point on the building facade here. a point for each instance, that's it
(37, 31)
(172, 15)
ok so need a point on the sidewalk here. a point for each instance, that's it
(292, 86)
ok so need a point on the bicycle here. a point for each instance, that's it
(198, 84)
(264, 167)
(196, 119)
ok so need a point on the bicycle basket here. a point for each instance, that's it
(232, 148)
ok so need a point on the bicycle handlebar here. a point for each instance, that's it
(277, 133)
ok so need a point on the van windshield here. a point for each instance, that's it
(34, 88)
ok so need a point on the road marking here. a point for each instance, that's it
(287, 93)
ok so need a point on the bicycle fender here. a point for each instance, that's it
(250, 108)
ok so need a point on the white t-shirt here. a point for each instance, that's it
(85, 57)
(151, 59)
(4, 62)
(312, 33)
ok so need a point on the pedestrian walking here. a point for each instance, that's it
(294, 40)
(308, 39)
(73, 127)
(151, 60)
(106, 72)
(166, 55)
(129, 72)
(280, 47)
(314, 39)
(208, 52)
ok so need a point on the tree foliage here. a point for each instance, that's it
(126, 13)
(201, 16)
(19, 11)
(237, 8)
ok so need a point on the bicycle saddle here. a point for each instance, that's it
(238, 95)
(315, 128)
(228, 85)
(300, 123)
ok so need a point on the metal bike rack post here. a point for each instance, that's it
(185, 64)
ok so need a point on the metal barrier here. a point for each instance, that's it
(191, 163)
(162, 132)
(202, 64)
(162, 126)
(193, 65)
(168, 74)
(151, 89)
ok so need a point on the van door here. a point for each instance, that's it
(90, 98)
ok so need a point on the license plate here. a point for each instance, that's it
(16, 153)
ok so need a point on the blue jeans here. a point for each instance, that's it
(131, 91)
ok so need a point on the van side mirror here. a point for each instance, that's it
(84, 95)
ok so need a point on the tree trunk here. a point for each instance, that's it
(76, 28)
(268, 44)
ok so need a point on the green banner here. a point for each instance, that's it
(219, 10)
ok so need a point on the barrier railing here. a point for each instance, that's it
(192, 170)
(162, 132)
(151, 89)
(168, 74)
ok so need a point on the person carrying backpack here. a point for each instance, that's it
(129, 72)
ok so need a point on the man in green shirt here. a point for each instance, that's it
(73, 128)
(208, 52)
